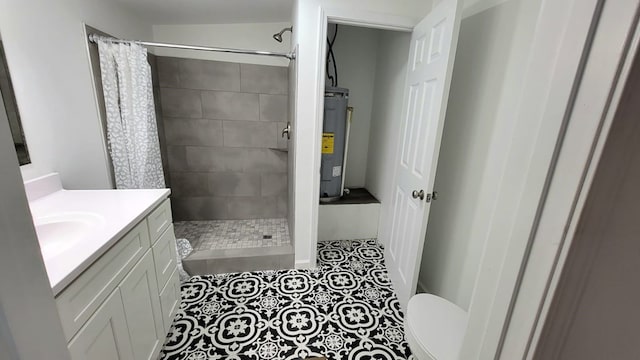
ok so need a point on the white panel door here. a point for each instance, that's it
(433, 44)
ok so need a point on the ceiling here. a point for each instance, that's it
(167, 12)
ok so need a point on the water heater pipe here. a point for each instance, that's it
(346, 148)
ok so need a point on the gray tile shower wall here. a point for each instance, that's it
(222, 124)
(155, 81)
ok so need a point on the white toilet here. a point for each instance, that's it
(434, 327)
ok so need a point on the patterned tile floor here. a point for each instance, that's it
(230, 234)
(344, 309)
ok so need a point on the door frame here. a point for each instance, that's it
(612, 53)
(28, 309)
(554, 63)
(311, 200)
(611, 36)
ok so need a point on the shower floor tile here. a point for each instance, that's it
(233, 234)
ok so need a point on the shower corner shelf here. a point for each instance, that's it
(279, 149)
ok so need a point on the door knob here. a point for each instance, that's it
(287, 131)
(420, 194)
(432, 196)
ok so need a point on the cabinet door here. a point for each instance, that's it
(166, 256)
(170, 299)
(104, 336)
(88, 291)
(141, 301)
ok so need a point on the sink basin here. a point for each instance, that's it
(59, 232)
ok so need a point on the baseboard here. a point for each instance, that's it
(421, 288)
(302, 264)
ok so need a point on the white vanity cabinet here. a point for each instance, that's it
(122, 306)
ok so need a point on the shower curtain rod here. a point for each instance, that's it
(94, 37)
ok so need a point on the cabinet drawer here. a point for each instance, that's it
(159, 220)
(165, 256)
(84, 295)
(170, 300)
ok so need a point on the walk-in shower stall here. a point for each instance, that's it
(226, 158)
(224, 155)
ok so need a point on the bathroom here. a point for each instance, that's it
(239, 139)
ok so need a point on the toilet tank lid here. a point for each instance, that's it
(437, 325)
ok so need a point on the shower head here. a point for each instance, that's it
(278, 36)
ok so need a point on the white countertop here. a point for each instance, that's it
(119, 211)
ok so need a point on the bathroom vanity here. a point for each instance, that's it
(111, 260)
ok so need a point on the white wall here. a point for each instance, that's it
(391, 72)
(307, 29)
(30, 327)
(47, 57)
(355, 51)
(452, 252)
(255, 36)
(5, 119)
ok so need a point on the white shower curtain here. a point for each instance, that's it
(132, 132)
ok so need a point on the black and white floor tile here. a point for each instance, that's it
(344, 309)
